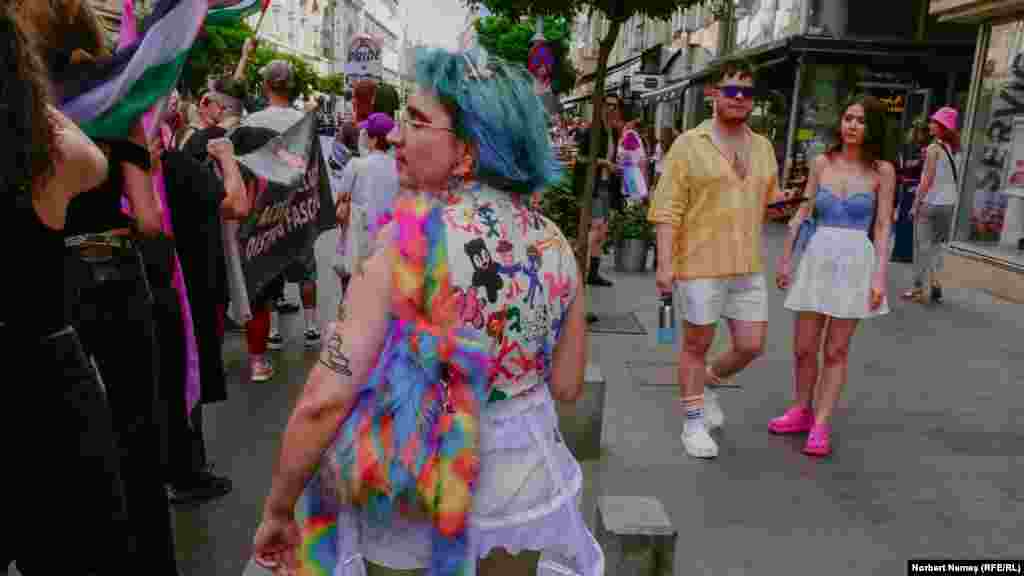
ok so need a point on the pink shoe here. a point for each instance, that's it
(818, 441)
(796, 420)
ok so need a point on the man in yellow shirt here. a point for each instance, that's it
(708, 209)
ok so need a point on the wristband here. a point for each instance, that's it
(130, 152)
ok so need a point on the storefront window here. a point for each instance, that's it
(991, 213)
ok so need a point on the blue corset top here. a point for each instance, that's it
(856, 211)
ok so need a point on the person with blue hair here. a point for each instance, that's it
(473, 139)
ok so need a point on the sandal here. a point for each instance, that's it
(937, 294)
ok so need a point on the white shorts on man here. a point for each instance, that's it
(705, 301)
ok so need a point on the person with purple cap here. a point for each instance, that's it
(369, 185)
(934, 203)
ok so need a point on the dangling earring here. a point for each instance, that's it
(461, 172)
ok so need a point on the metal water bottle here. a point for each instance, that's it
(666, 320)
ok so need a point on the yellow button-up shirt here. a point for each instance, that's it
(717, 216)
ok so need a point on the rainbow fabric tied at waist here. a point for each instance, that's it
(411, 444)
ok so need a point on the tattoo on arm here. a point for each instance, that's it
(334, 358)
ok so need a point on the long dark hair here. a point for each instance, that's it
(874, 130)
(24, 94)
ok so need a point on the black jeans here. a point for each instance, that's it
(65, 502)
(113, 312)
(186, 452)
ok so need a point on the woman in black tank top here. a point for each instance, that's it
(75, 475)
(118, 267)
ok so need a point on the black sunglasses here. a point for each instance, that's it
(742, 92)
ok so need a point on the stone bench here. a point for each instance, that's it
(636, 535)
(581, 422)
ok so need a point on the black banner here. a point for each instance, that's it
(292, 206)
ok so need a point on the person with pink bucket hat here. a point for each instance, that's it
(934, 203)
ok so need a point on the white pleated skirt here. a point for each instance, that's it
(834, 275)
(527, 498)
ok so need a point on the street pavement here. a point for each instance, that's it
(928, 444)
(928, 441)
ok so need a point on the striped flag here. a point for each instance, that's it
(227, 12)
(109, 98)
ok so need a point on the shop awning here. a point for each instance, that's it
(617, 66)
(782, 50)
(974, 11)
(667, 94)
(577, 99)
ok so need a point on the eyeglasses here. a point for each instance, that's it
(741, 92)
(405, 124)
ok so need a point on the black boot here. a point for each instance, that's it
(594, 277)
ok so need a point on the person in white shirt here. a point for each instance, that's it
(368, 187)
(279, 116)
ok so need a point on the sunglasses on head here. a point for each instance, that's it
(742, 92)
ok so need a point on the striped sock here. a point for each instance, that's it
(693, 406)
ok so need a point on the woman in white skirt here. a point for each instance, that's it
(842, 274)
(475, 138)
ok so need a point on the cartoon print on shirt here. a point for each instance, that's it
(485, 269)
(487, 218)
(498, 367)
(465, 224)
(522, 218)
(558, 287)
(470, 307)
(514, 319)
(518, 289)
(536, 329)
(508, 268)
(532, 272)
(496, 325)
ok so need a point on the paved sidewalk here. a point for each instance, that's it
(928, 445)
(928, 441)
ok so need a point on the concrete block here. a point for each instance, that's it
(636, 535)
(581, 422)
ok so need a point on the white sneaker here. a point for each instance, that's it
(698, 443)
(713, 415)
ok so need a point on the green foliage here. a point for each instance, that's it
(331, 84)
(216, 50)
(510, 40)
(305, 79)
(559, 203)
(630, 222)
(618, 12)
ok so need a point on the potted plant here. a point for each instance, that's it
(632, 236)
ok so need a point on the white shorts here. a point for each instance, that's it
(707, 300)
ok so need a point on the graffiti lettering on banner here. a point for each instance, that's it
(292, 203)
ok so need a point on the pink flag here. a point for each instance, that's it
(151, 121)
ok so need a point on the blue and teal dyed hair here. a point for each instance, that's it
(494, 107)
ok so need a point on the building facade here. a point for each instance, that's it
(987, 248)
(294, 27)
(381, 19)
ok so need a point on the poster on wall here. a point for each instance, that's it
(364, 59)
(992, 166)
(1015, 172)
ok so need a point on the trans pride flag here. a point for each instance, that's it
(107, 99)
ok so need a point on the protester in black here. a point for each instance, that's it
(71, 471)
(113, 311)
(196, 199)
